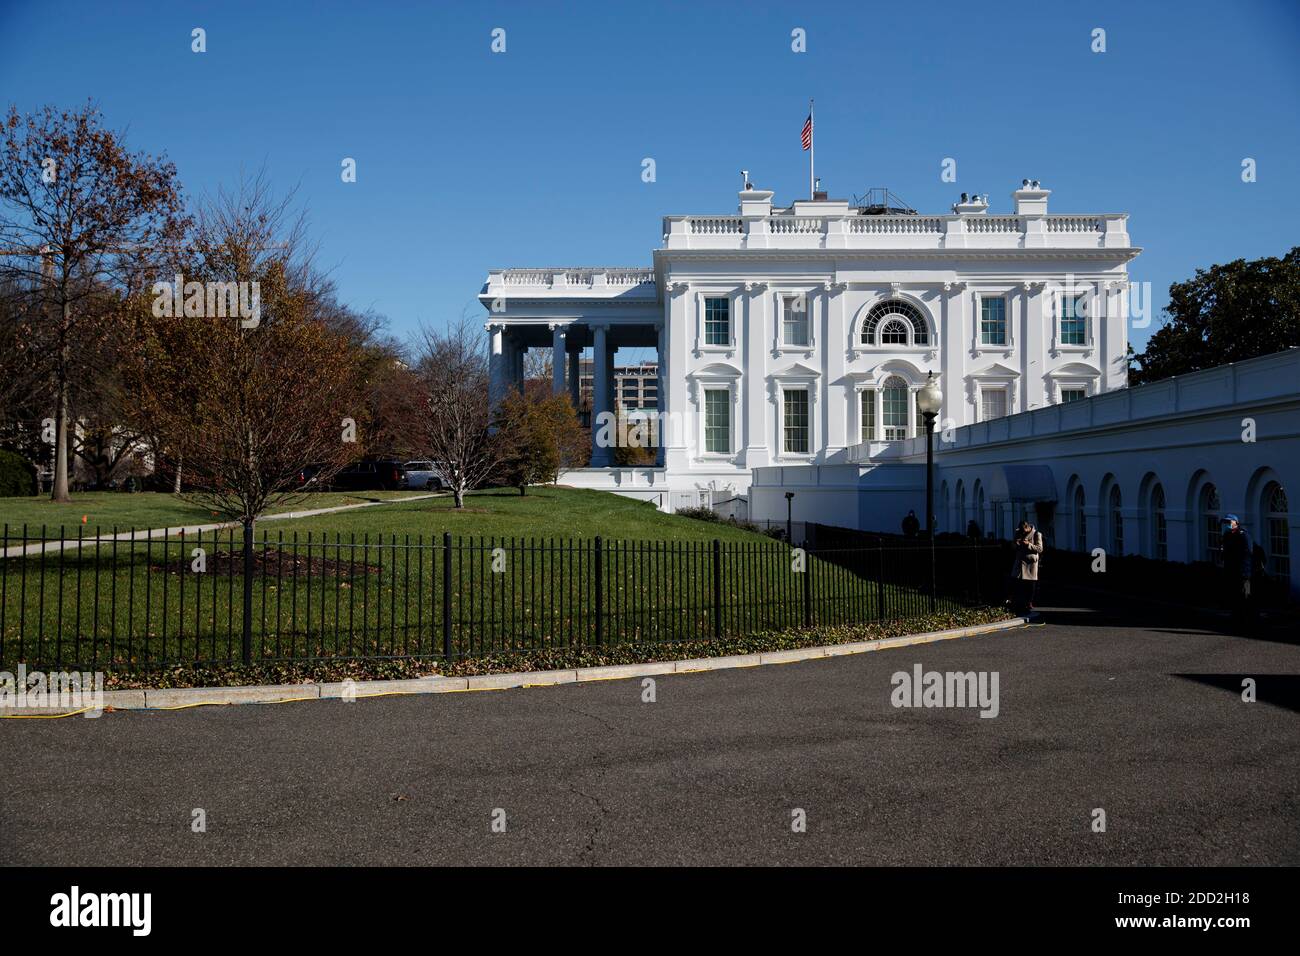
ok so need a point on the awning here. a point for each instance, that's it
(1022, 483)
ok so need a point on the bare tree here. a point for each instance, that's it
(248, 406)
(78, 213)
(456, 426)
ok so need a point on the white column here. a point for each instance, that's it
(575, 371)
(1032, 348)
(1114, 335)
(837, 408)
(678, 335)
(557, 359)
(756, 406)
(951, 341)
(600, 452)
(661, 403)
(496, 365)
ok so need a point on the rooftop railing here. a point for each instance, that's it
(840, 231)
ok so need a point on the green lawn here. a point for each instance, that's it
(545, 512)
(370, 583)
(106, 509)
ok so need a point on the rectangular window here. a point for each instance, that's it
(717, 321)
(868, 414)
(993, 403)
(794, 320)
(717, 421)
(993, 321)
(1073, 395)
(796, 421)
(1279, 549)
(1074, 320)
(893, 406)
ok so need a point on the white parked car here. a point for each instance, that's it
(422, 474)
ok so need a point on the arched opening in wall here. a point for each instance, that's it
(1275, 535)
(1157, 528)
(978, 501)
(893, 332)
(1080, 520)
(1208, 515)
(894, 399)
(890, 316)
(961, 507)
(1115, 520)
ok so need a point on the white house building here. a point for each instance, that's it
(788, 335)
(1149, 470)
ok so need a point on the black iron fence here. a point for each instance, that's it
(139, 600)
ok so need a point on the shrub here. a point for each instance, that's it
(699, 514)
(17, 476)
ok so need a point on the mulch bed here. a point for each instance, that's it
(274, 561)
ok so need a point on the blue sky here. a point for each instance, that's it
(468, 160)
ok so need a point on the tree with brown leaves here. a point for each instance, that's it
(79, 215)
(247, 405)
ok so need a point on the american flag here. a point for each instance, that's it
(807, 133)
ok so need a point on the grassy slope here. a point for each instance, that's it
(58, 605)
(144, 510)
(545, 512)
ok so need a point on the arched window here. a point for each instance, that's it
(1276, 534)
(893, 406)
(1115, 518)
(895, 311)
(1208, 521)
(979, 507)
(1159, 530)
(893, 332)
(961, 508)
(1080, 521)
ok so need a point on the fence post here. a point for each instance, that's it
(446, 596)
(880, 584)
(600, 592)
(717, 588)
(807, 587)
(247, 622)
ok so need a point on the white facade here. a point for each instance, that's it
(786, 336)
(1149, 470)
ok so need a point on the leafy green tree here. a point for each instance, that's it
(1226, 313)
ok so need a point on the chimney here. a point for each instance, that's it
(755, 203)
(1031, 200)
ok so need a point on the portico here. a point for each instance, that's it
(570, 312)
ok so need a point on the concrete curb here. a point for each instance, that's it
(180, 697)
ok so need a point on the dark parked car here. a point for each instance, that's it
(307, 478)
(371, 474)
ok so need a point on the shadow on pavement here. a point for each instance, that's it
(1082, 607)
(1280, 690)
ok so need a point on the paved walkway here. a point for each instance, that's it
(143, 534)
(1112, 705)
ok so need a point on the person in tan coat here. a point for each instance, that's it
(1028, 545)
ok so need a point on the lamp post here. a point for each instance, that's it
(929, 400)
(789, 518)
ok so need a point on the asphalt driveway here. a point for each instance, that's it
(1136, 712)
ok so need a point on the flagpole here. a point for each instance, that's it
(812, 149)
